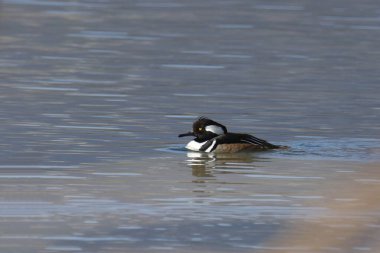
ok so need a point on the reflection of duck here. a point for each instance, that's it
(212, 136)
(202, 164)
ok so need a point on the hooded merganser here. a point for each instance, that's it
(211, 136)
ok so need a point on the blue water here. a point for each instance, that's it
(343, 149)
(94, 94)
(312, 148)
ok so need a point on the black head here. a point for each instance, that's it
(205, 129)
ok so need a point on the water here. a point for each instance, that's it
(94, 93)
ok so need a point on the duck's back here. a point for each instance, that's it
(235, 142)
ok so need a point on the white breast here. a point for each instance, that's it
(195, 146)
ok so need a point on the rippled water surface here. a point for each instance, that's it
(94, 93)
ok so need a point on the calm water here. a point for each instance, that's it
(94, 93)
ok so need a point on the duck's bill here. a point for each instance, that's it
(186, 134)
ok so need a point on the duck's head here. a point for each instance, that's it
(205, 129)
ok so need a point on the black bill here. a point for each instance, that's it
(186, 134)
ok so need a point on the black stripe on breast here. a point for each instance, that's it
(208, 144)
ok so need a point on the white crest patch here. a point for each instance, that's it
(195, 146)
(215, 129)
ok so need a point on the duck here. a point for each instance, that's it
(211, 136)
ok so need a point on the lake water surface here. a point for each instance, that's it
(94, 93)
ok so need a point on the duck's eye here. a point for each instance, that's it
(200, 129)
